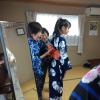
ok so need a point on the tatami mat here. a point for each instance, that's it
(71, 79)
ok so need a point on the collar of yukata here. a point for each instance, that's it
(33, 39)
(63, 35)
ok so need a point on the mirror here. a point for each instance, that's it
(6, 74)
(5, 78)
(18, 45)
(11, 85)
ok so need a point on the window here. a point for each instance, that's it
(48, 21)
(76, 32)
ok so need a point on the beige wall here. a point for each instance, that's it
(91, 43)
(91, 46)
(16, 12)
(19, 47)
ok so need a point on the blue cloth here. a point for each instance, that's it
(43, 47)
(90, 90)
(35, 56)
(58, 68)
(87, 91)
(74, 94)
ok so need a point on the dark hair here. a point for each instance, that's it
(1, 56)
(61, 22)
(34, 28)
(44, 30)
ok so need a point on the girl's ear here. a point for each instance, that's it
(63, 28)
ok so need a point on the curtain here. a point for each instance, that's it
(30, 16)
(48, 21)
(72, 40)
(81, 31)
(75, 36)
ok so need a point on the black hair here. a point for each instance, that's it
(44, 30)
(59, 24)
(34, 28)
(3, 65)
(1, 56)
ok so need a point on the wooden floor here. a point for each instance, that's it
(72, 77)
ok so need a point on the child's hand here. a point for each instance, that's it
(49, 46)
(1, 62)
(53, 52)
(50, 50)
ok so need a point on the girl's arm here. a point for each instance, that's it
(45, 54)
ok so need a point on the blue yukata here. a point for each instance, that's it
(35, 56)
(58, 68)
(39, 72)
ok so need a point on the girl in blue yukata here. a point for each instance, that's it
(35, 45)
(59, 66)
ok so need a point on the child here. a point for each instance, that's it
(59, 67)
(43, 48)
(34, 34)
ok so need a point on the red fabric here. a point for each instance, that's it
(54, 52)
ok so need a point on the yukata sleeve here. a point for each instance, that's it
(64, 59)
(36, 60)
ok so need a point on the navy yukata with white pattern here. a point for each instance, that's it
(58, 68)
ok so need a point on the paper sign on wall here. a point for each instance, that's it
(93, 28)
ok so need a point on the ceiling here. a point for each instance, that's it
(83, 3)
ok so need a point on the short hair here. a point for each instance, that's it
(44, 30)
(34, 28)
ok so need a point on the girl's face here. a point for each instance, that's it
(64, 30)
(44, 37)
(36, 36)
